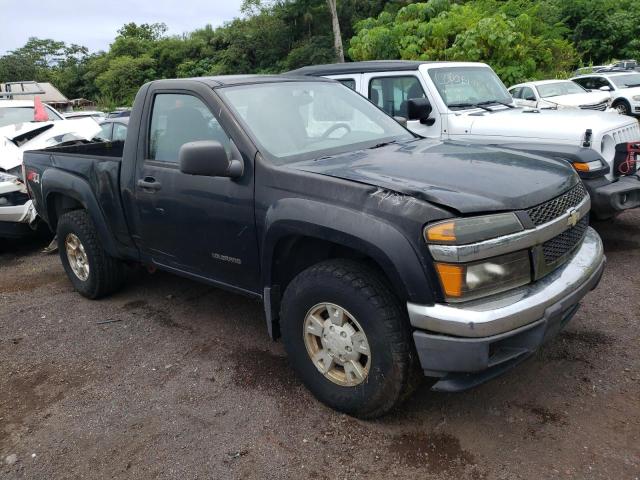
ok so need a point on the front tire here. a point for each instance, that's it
(93, 273)
(348, 338)
(623, 107)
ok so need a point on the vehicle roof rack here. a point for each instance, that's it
(10, 89)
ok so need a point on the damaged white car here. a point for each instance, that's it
(29, 125)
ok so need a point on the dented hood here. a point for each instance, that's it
(466, 178)
(20, 137)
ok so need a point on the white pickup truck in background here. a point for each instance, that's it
(466, 101)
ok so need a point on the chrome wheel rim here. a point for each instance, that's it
(622, 109)
(77, 256)
(337, 344)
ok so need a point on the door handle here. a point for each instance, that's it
(149, 183)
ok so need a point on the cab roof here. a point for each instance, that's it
(229, 80)
(359, 67)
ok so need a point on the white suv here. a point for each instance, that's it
(466, 101)
(624, 88)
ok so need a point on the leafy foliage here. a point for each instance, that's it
(520, 39)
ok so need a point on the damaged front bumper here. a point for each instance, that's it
(468, 345)
(17, 214)
(609, 198)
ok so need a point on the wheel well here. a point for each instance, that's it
(59, 204)
(296, 253)
(620, 100)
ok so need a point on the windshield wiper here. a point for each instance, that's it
(469, 105)
(489, 102)
(383, 144)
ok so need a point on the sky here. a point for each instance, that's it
(94, 24)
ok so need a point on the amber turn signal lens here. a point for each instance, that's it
(442, 232)
(581, 167)
(451, 278)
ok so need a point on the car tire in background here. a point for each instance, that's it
(622, 106)
(93, 273)
(348, 338)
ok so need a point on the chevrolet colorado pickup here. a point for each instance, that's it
(466, 101)
(377, 254)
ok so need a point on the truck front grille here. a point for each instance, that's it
(595, 106)
(552, 209)
(560, 245)
(630, 133)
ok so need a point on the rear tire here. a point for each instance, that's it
(373, 321)
(93, 273)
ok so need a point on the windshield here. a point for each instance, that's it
(626, 81)
(559, 88)
(295, 121)
(465, 87)
(13, 115)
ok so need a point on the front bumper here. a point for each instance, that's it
(609, 198)
(468, 344)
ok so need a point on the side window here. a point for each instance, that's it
(348, 82)
(119, 132)
(527, 94)
(51, 114)
(392, 93)
(177, 119)
(105, 131)
(516, 92)
(583, 82)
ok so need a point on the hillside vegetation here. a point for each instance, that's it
(520, 39)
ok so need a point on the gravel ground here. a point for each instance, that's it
(184, 383)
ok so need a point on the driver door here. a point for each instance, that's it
(199, 225)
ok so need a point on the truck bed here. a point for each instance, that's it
(94, 166)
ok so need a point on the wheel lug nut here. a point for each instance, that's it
(343, 334)
(348, 348)
(332, 328)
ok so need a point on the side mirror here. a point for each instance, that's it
(419, 109)
(605, 88)
(208, 159)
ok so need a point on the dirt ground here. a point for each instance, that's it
(183, 383)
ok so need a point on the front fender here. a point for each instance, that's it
(58, 182)
(358, 230)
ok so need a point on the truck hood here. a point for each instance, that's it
(577, 99)
(549, 125)
(20, 137)
(465, 178)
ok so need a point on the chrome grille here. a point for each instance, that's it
(630, 133)
(595, 106)
(554, 208)
(564, 243)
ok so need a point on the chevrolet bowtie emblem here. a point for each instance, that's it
(574, 216)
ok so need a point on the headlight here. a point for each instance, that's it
(636, 98)
(461, 231)
(587, 166)
(462, 282)
(608, 147)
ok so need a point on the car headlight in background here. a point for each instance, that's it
(462, 231)
(636, 98)
(462, 282)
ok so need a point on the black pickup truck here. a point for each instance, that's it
(377, 254)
